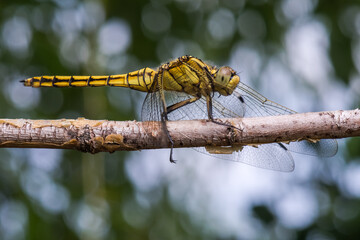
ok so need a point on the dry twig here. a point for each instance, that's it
(108, 136)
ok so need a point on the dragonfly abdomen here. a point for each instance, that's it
(140, 80)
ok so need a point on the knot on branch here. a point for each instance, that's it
(85, 137)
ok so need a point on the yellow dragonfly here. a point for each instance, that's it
(187, 88)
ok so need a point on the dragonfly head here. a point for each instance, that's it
(226, 81)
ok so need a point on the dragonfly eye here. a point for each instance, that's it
(226, 81)
(223, 76)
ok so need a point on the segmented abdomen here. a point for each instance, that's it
(140, 80)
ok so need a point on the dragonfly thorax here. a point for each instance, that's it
(225, 81)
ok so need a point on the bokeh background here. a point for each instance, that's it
(302, 54)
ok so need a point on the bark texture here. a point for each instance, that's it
(108, 136)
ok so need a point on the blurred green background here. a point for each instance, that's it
(302, 54)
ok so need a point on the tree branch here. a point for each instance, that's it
(108, 136)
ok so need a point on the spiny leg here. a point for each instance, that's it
(164, 117)
(181, 104)
(211, 117)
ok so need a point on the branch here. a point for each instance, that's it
(108, 136)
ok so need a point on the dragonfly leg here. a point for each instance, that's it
(211, 117)
(209, 108)
(181, 104)
(164, 118)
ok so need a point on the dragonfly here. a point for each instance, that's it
(187, 88)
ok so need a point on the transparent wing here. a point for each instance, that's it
(222, 107)
(152, 108)
(257, 105)
(244, 102)
(269, 156)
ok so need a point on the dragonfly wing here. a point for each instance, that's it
(268, 156)
(195, 110)
(257, 105)
(152, 107)
(227, 106)
(322, 148)
(244, 102)
(223, 107)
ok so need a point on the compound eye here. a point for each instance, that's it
(223, 76)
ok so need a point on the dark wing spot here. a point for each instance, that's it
(241, 99)
(282, 146)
